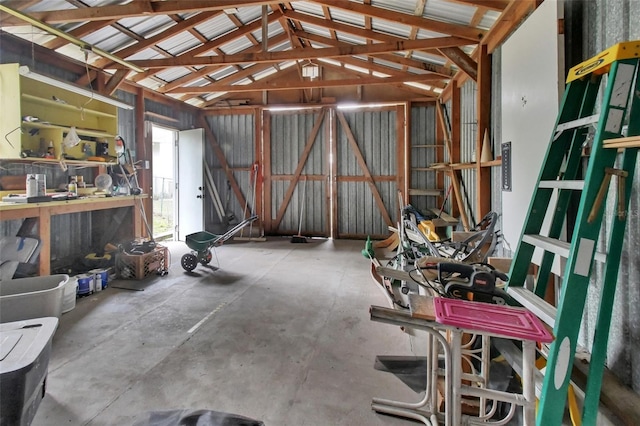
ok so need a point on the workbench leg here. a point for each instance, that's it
(44, 233)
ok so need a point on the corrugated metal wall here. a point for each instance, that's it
(236, 136)
(308, 205)
(605, 24)
(468, 135)
(496, 141)
(375, 133)
(423, 132)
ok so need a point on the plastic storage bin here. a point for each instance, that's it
(24, 364)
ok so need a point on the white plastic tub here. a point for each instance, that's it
(69, 294)
(35, 297)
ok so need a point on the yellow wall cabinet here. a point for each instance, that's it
(36, 117)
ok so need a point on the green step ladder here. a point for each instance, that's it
(579, 113)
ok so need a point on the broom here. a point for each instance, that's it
(300, 238)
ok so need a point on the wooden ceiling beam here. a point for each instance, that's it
(397, 73)
(389, 57)
(301, 54)
(509, 20)
(457, 30)
(115, 81)
(307, 84)
(462, 60)
(215, 43)
(134, 9)
(498, 5)
(78, 32)
(158, 38)
(208, 70)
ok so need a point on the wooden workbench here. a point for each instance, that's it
(43, 212)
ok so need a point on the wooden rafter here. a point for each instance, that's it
(208, 70)
(397, 73)
(472, 34)
(164, 35)
(115, 81)
(462, 60)
(301, 54)
(498, 5)
(132, 10)
(307, 84)
(389, 57)
(79, 32)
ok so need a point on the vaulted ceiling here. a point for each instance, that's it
(214, 52)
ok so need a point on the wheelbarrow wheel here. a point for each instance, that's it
(189, 262)
(206, 259)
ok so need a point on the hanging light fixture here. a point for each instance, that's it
(26, 72)
(310, 70)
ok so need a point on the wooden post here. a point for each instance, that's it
(483, 177)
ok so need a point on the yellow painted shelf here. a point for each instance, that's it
(85, 132)
(66, 106)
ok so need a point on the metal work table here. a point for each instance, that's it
(422, 316)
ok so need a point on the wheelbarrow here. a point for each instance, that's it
(201, 245)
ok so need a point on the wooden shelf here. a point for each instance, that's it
(76, 163)
(463, 166)
(85, 132)
(426, 192)
(51, 102)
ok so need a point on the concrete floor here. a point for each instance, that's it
(280, 333)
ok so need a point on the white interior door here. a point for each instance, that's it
(189, 185)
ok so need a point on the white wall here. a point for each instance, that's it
(532, 85)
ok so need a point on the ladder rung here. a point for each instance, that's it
(543, 310)
(430, 192)
(422, 169)
(580, 122)
(577, 185)
(558, 247)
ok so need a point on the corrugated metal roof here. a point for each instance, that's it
(273, 29)
(389, 27)
(236, 46)
(447, 11)
(316, 30)
(216, 27)
(250, 14)
(222, 73)
(171, 74)
(147, 26)
(109, 39)
(307, 7)
(346, 17)
(128, 30)
(179, 43)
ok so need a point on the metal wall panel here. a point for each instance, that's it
(235, 134)
(308, 208)
(423, 132)
(496, 138)
(375, 133)
(468, 135)
(605, 24)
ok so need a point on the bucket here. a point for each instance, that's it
(69, 294)
(100, 275)
(85, 284)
